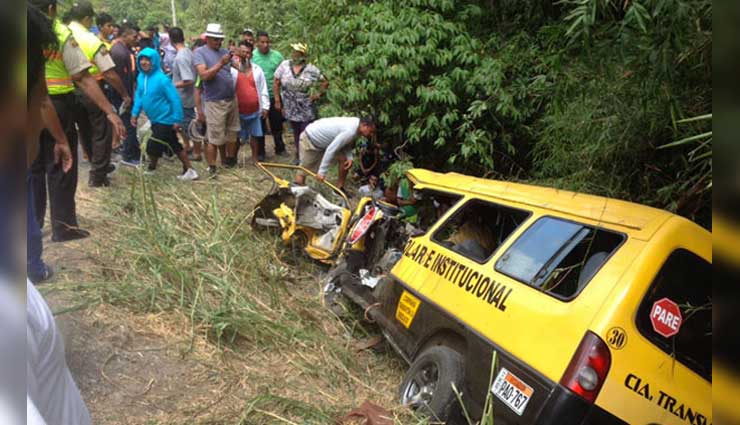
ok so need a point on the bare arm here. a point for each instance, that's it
(362, 166)
(207, 74)
(184, 83)
(276, 92)
(112, 78)
(90, 87)
(323, 87)
(375, 159)
(199, 105)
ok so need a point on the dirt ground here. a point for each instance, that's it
(135, 368)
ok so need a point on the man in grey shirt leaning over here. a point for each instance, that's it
(327, 138)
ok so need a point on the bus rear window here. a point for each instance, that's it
(558, 257)
(685, 279)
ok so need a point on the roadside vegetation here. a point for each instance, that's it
(609, 97)
(576, 94)
(189, 250)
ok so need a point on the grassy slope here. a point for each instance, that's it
(186, 252)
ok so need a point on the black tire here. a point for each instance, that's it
(427, 386)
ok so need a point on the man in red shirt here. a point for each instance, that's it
(252, 97)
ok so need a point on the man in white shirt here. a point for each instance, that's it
(252, 98)
(327, 138)
(49, 383)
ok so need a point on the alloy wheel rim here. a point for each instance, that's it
(419, 390)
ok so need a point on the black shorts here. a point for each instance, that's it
(163, 140)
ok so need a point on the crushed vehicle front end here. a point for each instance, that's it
(306, 218)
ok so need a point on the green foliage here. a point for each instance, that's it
(154, 12)
(396, 171)
(431, 82)
(576, 93)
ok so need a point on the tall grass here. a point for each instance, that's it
(188, 248)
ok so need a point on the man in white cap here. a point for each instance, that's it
(222, 116)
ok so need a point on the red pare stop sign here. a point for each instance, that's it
(666, 317)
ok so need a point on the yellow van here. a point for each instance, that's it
(598, 310)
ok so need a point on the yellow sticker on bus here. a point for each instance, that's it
(406, 310)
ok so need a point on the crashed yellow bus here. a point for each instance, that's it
(598, 310)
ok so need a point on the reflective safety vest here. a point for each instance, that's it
(90, 45)
(58, 80)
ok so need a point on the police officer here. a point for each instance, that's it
(66, 66)
(103, 70)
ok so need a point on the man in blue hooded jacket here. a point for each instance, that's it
(157, 96)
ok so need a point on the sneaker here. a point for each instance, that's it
(104, 182)
(212, 171)
(131, 162)
(296, 161)
(70, 235)
(189, 175)
(45, 275)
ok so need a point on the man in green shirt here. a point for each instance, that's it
(269, 59)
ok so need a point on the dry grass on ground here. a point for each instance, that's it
(178, 313)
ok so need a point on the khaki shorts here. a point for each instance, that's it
(222, 121)
(310, 155)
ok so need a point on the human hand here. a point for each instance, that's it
(177, 127)
(347, 164)
(63, 154)
(126, 103)
(119, 131)
(201, 117)
(265, 113)
(133, 121)
(279, 106)
(225, 59)
(320, 177)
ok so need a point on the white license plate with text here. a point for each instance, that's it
(512, 391)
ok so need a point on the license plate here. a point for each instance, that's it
(406, 310)
(512, 391)
(361, 227)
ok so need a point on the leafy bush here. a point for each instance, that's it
(575, 93)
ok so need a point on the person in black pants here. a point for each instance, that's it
(123, 57)
(47, 173)
(276, 129)
(269, 59)
(66, 67)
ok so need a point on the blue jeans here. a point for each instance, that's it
(131, 149)
(188, 115)
(250, 126)
(35, 266)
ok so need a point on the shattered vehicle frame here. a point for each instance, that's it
(306, 219)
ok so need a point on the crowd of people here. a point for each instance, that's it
(97, 85)
(195, 98)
